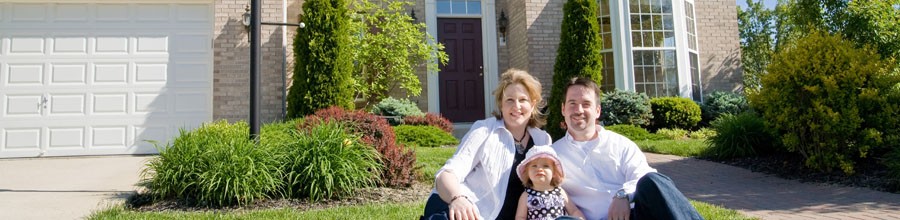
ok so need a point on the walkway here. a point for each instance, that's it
(769, 197)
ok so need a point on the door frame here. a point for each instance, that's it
(489, 52)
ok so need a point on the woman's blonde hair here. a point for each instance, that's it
(516, 76)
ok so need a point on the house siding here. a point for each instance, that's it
(720, 50)
(231, 70)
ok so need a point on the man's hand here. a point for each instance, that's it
(620, 209)
(462, 209)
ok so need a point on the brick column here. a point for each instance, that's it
(720, 50)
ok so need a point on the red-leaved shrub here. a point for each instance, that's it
(430, 119)
(398, 161)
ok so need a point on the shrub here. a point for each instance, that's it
(673, 133)
(892, 162)
(214, 165)
(829, 101)
(741, 135)
(674, 112)
(633, 132)
(578, 55)
(327, 162)
(323, 59)
(718, 103)
(702, 133)
(398, 162)
(430, 119)
(396, 107)
(424, 136)
(625, 107)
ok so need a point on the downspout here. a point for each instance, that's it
(284, 9)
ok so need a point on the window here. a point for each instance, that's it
(691, 25)
(653, 41)
(608, 71)
(656, 72)
(696, 93)
(459, 7)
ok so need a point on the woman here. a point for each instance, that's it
(478, 182)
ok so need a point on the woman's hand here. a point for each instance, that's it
(463, 209)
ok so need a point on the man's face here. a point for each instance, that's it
(581, 110)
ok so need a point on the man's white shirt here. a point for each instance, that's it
(597, 168)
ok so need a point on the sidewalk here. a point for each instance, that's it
(65, 187)
(770, 197)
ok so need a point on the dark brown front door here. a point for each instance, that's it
(462, 79)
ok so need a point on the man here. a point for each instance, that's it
(606, 172)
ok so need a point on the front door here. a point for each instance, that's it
(462, 79)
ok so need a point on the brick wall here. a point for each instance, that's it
(720, 53)
(545, 22)
(231, 68)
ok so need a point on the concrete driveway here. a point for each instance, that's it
(66, 187)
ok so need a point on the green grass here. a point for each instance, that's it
(684, 148)
(369, 211)
(431, 159)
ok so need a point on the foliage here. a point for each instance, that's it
(327, 162)
(741, 135)
(702, 133)
(674, 112)
(829, 100)
(718, 103)
(578, 55)
(397, 160)
(430, 119)
(633, 132)
(423, 136)
(214, 165)
(389, 50)
(323, 59)
(626, 107)
(756, 28)
(396, 107)
(673, 133)
(892, 162)
(864, 22)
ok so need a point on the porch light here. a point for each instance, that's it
(245, 18)
(501, 24)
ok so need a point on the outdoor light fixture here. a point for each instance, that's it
(501, 24)
(412, 14)
(245, 18)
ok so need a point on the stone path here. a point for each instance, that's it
(769, 197)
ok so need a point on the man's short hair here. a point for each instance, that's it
(587, 83)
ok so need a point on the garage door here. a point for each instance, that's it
(102, 78)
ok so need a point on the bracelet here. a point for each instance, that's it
(457, 197)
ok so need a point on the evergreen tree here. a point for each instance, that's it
(578, 55)
(323, 60)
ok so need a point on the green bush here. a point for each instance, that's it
(578, 55)
(741, 135)
(214, 165)
(830, 101)
(323, 59)
(625, 107)
(674, 112)
(673, 133)
(633, 132)
(327, 162)
(423, 136)
(396, 107)
(892, 162)
(718, 103)
(702, 133)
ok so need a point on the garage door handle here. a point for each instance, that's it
(43, 103)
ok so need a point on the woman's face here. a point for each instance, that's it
(516, 107)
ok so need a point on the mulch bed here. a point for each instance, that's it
(868, 175)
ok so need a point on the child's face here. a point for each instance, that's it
(540, 171)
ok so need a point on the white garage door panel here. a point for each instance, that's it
(102, 78)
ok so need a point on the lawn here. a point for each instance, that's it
(430, 160)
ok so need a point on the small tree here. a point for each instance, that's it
(578, 55)
(323, 60)
(389, 49)
(829, 101)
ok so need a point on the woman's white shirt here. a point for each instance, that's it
(483, 162)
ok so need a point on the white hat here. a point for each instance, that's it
(537, 152)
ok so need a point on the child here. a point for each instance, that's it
(542, 174)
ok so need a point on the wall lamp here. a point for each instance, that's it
(502, 23)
